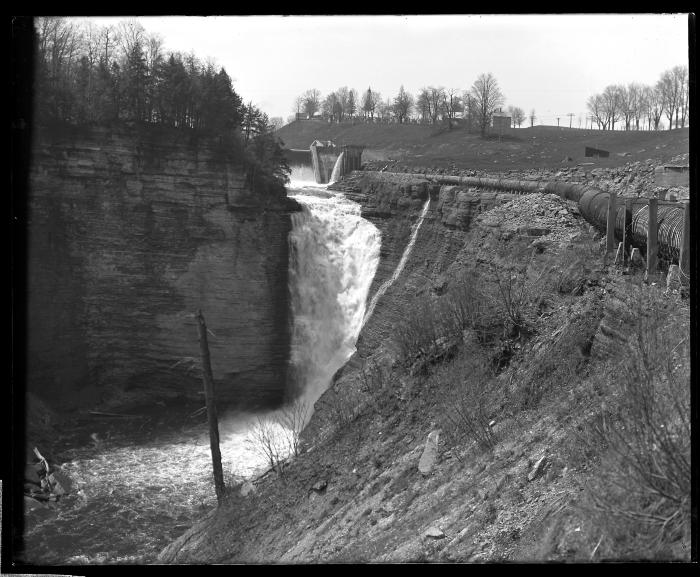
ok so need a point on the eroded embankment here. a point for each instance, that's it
(500, 341)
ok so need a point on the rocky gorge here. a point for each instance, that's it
(130, 232)
(384, 471)
(387, 473)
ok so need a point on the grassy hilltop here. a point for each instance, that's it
(536, 147)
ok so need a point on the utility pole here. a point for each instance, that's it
(557, 122)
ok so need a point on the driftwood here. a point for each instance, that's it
(118, 415)
(42, 460)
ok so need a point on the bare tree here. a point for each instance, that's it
(298, 105)
(671, 86)
(109, 40)
(330, 107)
(533, 117)
(343, 95)
(635, 94)
(625, 105)
(276, 122)
(352, 102)
(131, 33)
(423, 105)
(654, 103)
(611, 105)
(403, 104)
(369, 102)
(517, 115)
(311, 101)
(487, 98)
(435, 100)
(680, 76)
(451, 104)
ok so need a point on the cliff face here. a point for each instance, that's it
(129, 233)
(393, 204)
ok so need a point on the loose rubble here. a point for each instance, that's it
(635, 179)
(545, 217)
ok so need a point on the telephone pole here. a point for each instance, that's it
(557, 122)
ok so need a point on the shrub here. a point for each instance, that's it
(520, 291)
(471, 397)
(277, 436)
(642, 493)
(264, 438)
(293, 418)
(432, 327)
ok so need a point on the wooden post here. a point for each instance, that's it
(684, 260)
(653, 237)
(628, 222)
(211, 407)
(620, 254)
(612, 206)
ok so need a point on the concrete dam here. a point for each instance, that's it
(324, 162)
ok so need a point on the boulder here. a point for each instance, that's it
(427, 459)
(537, 468)
(434, 533)
(320, 486)
(247, 488)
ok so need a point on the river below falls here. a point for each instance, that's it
(137, 485)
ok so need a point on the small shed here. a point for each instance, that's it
(501, 121)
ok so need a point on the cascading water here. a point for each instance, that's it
(399, 268)
(334, 256)
(302, 174)
(337, 168)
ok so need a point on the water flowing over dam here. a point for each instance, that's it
(334, 256)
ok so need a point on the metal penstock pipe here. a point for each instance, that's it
(592, 203)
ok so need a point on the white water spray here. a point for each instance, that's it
(337, 168)
(334, 257)
(399, 268)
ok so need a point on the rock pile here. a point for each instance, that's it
(536, 215)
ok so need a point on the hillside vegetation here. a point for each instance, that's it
(539, 146)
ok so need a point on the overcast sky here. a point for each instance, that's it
(549, 63)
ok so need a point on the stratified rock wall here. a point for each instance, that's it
(129, 233)
(393, 204)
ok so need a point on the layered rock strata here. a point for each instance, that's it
(130, 232)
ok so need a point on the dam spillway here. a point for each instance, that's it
(323, 162)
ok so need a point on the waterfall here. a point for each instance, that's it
(333, 258)
(302, 174)
(337, 168)
(406, 253)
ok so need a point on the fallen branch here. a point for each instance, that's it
(41, 458)
(596, 547)
(120, 415)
